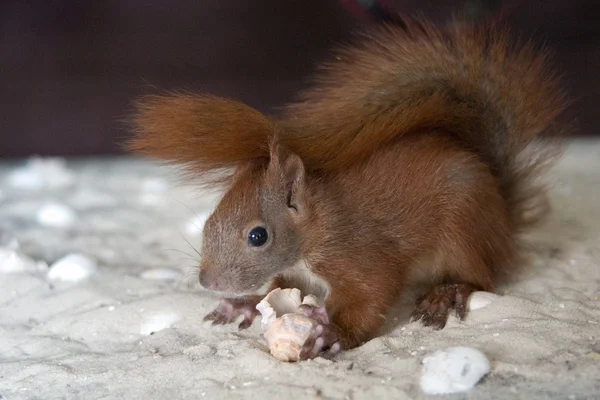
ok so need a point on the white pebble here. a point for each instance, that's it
(155, 185)
(72, 268)
(195, 226)
(480, 299)
(158, 322)
(151, 199)
(13, 261)
(42, 173)
(161, 274)
(198, 352)
(453, 370)
(55, 215)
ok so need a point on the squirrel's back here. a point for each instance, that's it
(496, 97)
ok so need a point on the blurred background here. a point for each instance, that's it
(70, 69)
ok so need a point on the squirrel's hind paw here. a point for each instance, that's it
(433, 308)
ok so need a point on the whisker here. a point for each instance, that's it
(189, 256)
(197, 217)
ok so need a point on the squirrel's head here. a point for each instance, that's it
(255, 231)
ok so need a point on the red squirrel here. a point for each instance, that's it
(413, 157)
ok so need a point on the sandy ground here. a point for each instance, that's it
(90, 339)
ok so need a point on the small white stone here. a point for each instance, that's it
(72, 268)
(561, 305)
(453, 370)
(496, 334)
(55, 215)
(158, 322)
(164, 274)
(41, 173)
(111, 308)
(199, 352)
(155, 185)
(13, 261)
(480, 299)
(151, 199)
(195, 226)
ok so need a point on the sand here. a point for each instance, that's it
(131, 326)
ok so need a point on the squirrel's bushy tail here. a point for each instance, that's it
(496, 97)
(203, 133)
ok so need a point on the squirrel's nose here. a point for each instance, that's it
(209, 280)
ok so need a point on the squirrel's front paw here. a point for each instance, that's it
(326, 339)
(230, 309)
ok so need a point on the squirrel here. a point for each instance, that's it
(413, 158)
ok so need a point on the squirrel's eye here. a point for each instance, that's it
(257, 236)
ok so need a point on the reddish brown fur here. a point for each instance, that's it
(410, 144)
(422, 195)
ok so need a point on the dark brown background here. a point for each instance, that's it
(69, 69)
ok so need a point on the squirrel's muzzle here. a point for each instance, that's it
(210, 280)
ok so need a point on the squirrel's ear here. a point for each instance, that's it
(294, 174)
(287, 169)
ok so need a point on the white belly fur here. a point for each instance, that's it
(301, 277)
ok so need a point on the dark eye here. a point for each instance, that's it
(257, 236)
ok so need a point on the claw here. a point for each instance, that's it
(326, 338)
(229, 310)
(433, 309)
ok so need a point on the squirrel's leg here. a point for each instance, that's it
(356, 306)
(229, 309)
(433, 308)
(352, 323)
(465, 272)
(477, 239)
